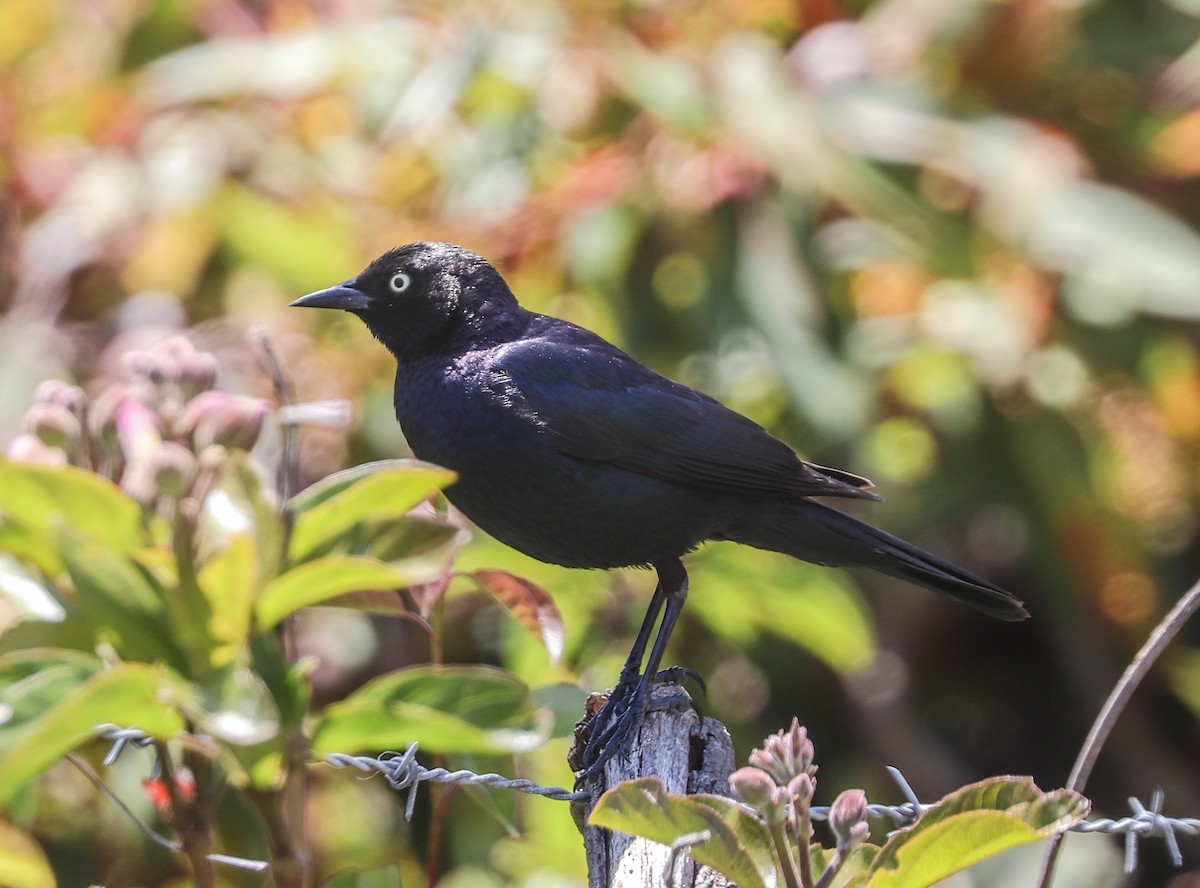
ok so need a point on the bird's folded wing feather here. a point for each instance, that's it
(599, 404)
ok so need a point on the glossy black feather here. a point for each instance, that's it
(601, 405)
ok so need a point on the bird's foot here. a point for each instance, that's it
(680, 675)
(613, 726)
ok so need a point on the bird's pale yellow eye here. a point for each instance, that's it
(400, 282)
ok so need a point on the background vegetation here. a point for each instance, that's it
(949, 244)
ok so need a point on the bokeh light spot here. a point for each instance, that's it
(1128, 598)
(902, 449)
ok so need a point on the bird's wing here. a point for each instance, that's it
(599, 404)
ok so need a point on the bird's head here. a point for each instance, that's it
(420, 296)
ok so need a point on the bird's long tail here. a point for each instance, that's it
(812, 531)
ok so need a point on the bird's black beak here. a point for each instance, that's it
(344, 296)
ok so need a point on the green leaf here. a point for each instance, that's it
(124, 603)
(666, 86)
(32, 681)
(27, 591)
(469, 709)
(128, 694)
(236, 705)
(331, 485)
(749, 592)
(530, 604)
(393, 539)
(318, 581)
(740, 846)
(299, 243)
(249, 705)
(853, 869)
(386, 492)
(1183, 673)
(238, 504)
(22, 861)
(288, 683)
(74, 632)
(971, 824)
(37, 502)
(229, 581)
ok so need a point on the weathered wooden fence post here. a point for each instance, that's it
(690, 756)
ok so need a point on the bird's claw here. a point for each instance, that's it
(679, 675)
(609, 739)
(627, 703)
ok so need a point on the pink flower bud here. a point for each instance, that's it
(753, 787)
(62, 394)
(29, 448)
(138, 481)
(102, 418)
(168, 470)
(198, 373)
(165, 362)
(848, 819)
(138, 429)
(56, 426)
(802, 788)
(231, 421)
(174, 469)
(786, 754)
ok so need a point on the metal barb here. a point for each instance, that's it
(119, 738)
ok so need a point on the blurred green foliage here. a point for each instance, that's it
(952, 246)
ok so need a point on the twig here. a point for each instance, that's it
(1163, 634)
(442, 793)
(682, 845)
(285, 393)
(193, 830)
(292, 857)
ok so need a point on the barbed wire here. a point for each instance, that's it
(403, 771)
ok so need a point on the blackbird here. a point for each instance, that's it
(570, 451)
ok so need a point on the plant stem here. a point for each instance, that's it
(284, 811)
(805, 840)
(437, 828)
(783, 852)
(291, 861)
(830, 871)
(1163, 634)
(438, 625)
(192, 827)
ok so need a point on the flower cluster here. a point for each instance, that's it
(154, 434)
(780, 783)
(781, 778)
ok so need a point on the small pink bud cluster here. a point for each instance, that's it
(780, 783)
(52, 429)
(781, 778)
(151, 433)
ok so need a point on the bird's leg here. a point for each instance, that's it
(626, 712)
(632, 670)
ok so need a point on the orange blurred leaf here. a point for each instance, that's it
(530, 604)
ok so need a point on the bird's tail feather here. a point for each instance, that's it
(812, 531)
